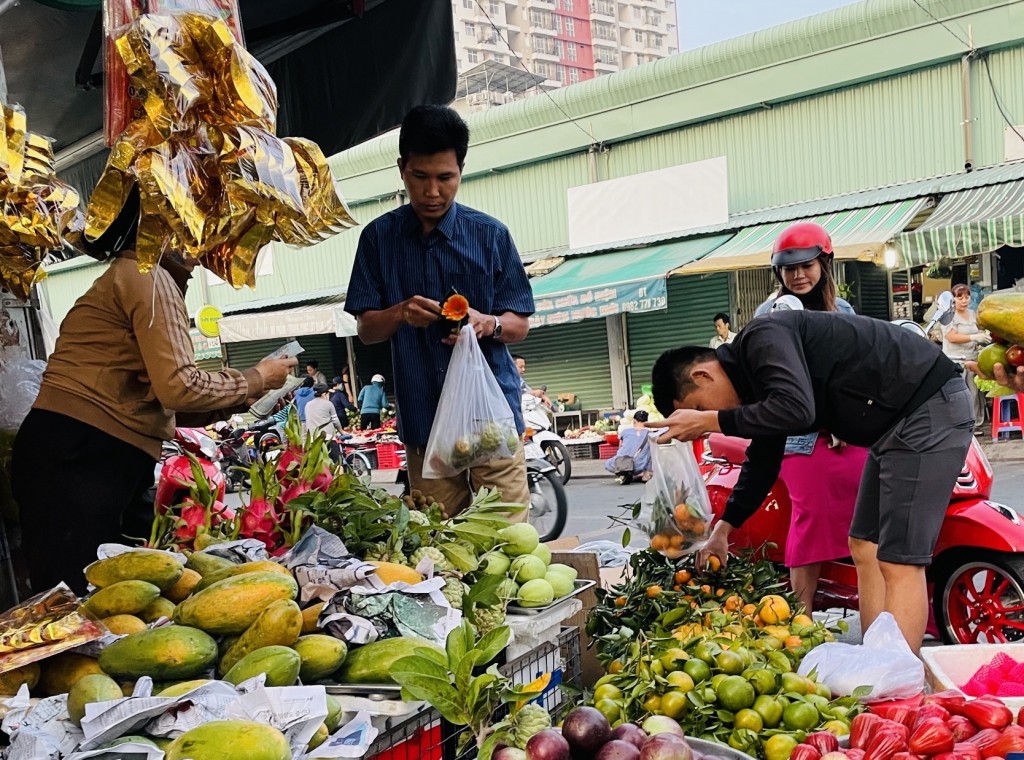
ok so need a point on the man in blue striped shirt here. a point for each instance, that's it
(407, 262)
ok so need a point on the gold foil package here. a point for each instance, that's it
(215, 182)
(46, 624)
(37, 210)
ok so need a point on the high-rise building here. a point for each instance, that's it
(514, 48)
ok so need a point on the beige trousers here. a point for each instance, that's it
(456, 493)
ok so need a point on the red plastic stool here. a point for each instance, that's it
(1006, 416)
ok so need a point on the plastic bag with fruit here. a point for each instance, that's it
(474, 422)
(677, 501)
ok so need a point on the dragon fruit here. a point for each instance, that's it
(193, 517)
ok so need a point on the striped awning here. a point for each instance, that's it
(968, 223)
(323, 316)
(857, 235)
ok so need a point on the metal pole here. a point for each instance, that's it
(968, 122)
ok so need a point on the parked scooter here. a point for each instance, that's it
(977, 572)
(541, 440)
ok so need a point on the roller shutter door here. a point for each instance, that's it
(570, 359)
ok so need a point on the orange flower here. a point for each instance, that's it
(455, 308)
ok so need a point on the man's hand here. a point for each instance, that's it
(482, 324)
(420, 311)
(717, 545)
(275, 371)
(1002, 376)
(686, 425)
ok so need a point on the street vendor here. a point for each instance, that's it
(868, 382)
(122, 375)
(406, 263)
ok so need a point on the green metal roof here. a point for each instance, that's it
(590, 287)
(857, 234)
(968, 223)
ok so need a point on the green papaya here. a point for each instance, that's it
(230, 606)
(279, 624)
(1003, 315)
(230, 740)
(122, 598)
(160, 568)
(92, 688)
(371, 663)
(281, 664)
(173, 652)
(321, 655)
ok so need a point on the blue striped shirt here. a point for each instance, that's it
(468, 251)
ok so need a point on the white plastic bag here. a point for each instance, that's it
(20, 380)
(474, 422)
(677, 499)
(884, 662)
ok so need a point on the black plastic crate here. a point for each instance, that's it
(427, 736)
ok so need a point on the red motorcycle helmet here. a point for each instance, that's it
(800, 243)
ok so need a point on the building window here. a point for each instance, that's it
(494, 7)
(472, 57)
(672, 51)
(470, 29)
(638, 36)
(557, 48)
(574, 75)
(572, 51)
(636, 11)
(567, 4)
(560, 73)
(467, 4)
(557, 23)
(570, 27)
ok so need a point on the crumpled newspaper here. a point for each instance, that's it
(240, 551)
(351, 740)
(40, 731)
(295, 711)
(409, 610)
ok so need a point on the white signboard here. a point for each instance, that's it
(666, 203)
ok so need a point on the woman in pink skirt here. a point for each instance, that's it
(821, 473)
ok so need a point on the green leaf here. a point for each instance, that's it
(627, 536)
(862, 691)
(427, 681)
(478, 685)
(459, 556)
(464, 670)
(460, 640)
(433, 655)
(493, 642)
(484, 590)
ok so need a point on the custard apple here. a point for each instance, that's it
(418, 518)
(380, 552)
(492, 436)
(441, 564)
(531, 719)
(455, 591)
(488, 618)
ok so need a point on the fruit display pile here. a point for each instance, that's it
(527, 576)
(1002, 314)
(947, 726)
(718, 653)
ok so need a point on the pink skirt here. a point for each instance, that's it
(823, 488)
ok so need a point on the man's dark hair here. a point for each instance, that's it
(517, 357)
(314, 364)
(670, 378)
(308, 381)
(320, 389)
(722, 316)
(433, 129)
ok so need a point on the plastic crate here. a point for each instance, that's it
(583, 450)
(606, 451)
(427, 736)
(388, 456)
(949, 667)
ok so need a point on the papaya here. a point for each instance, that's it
(265, 566)
(334, 713)
(122, 625)
(162, 569)
(60, 672)
(163, 742)
(204, 563)
(230, 606)
(93, 688)
(169, 653)
(281, 664)
(129, 740)
(279, 624)
(183, 687)
(12, 680)
(310, 616)
(122, 598)
(185, 585)
(371, 663)
(1003, 315)
(158, 608)
(389, 572)
(321, 655)
(127, 688)
(230, 740)
(319, 737)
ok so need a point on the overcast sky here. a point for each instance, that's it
(702, 22)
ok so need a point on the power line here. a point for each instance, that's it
(999, 101)
(522, 63)
(943, 24)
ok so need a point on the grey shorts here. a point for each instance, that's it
(910, 475)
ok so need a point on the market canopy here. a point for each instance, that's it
(346, 70)
(323, 316)
(603, 285)
(968, 223)
(857, 235)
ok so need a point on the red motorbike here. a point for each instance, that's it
(976, 579)
(174, 476)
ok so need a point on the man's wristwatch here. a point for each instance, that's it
(497, 329)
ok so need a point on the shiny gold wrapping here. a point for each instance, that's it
(37, 211)
(42, 626)
(215, 182)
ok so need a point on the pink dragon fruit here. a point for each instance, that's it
(193, 517)
(323, 481)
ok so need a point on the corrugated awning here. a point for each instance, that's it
(968, 223)
(589, 287)
(857, 235)
(326, 316)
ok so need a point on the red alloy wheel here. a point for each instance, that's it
(981, 602)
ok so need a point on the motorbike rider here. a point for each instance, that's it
(822, 508)
(121, 377)
(524, 387)
(868, 382)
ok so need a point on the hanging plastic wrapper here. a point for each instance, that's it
(191, 115)
(678, 504)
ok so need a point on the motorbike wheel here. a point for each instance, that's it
(549, 507)
(557, 453)
(979, 598)
(359, 466)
